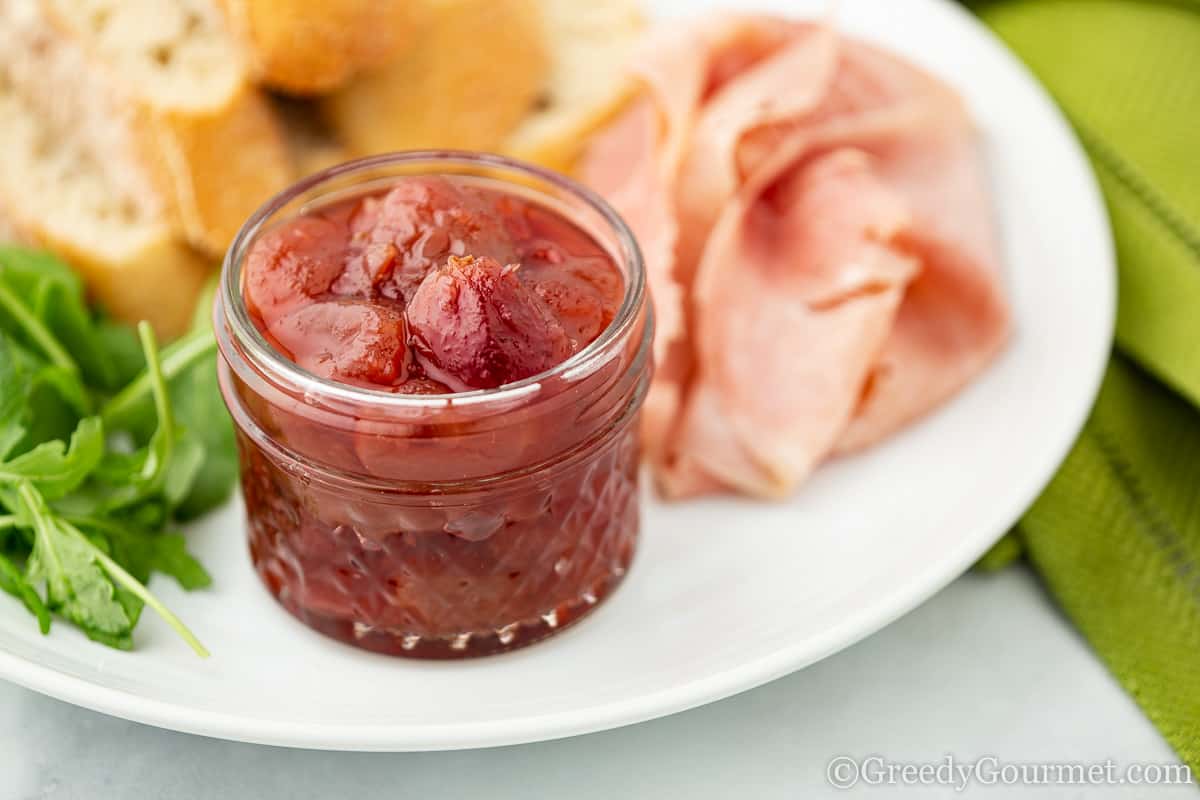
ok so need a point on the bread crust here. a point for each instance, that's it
(473, 71)
(158, 282)
(75, 177)
(210, 165)
(158, 279)
(310, 46)
(217, 167)
(588, 80)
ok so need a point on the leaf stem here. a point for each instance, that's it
(158, 384)
(176, 357)
(9, 521)
(118, 574)
(37, 331)
(37, 512)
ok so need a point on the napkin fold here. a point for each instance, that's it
(1116, 534)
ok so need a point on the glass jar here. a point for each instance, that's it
(440, 526)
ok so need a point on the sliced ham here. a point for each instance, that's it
(640, 186)
(636, 164)
(795, 298)
(818, 243)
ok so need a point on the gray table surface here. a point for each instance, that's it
(986, 668)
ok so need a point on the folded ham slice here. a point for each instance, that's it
(636, 165)
(794, 300)
(818, 242)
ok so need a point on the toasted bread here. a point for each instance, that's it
(8, 233)
(206, 139)
(67, 181)
(471, 73)
(311, 46)
(587, 80)
(54, 193)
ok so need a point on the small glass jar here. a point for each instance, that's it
(440, 526)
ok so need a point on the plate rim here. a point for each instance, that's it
(407, 737)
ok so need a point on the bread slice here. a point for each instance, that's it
(311, 46)
(472, 72)
(203, 138)
(590, 44)
(54, 193)
(60, 186)
(8, 233)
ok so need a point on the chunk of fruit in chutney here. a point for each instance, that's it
(437, 285)
(351, 341)
(478, 326)
(293, 264)
(397, 238)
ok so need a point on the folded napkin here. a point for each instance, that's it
(1116, 535)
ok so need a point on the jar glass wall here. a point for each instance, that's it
(444, 525)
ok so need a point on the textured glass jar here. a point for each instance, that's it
(440, 526)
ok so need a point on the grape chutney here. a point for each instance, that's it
(435, 363)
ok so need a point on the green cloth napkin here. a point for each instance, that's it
(1116, 535)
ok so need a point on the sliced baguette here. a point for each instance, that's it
(61, 186)
(8, 233)
(472, 72)
(590, 44)
(54, 193)
(204, 139)
(311, 46)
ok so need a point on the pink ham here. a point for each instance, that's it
(818, 242)
(641, 190)
(795, 297)
(636, 163)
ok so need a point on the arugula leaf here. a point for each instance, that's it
(202, 413)
(119, 344)
(76, 584)
(34, 329)
(14, 583)
(54, 410)
(14, 397)
(53, 399)
(133, 402)
(190, 367)
(142, 474)
(23, 267)
(206, 444)
(56, 469)
(65, 385)
(83, 583)
(169, 463)
(144, 552)
(87, 494)
(107, 353)
(186, 461)
(54, 295)
(130, 584)
(11, 433)
(170, 556)
(38, 401)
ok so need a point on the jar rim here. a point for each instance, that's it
(232, 311)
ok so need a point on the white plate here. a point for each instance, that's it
(724, 595)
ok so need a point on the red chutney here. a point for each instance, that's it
(435, 278)
(427, 522)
